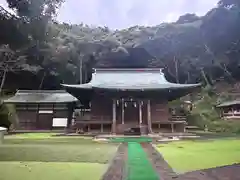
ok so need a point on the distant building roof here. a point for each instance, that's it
(130, 80)
(41, 96)
(229, 103)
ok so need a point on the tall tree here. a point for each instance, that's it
(229, 3)
(37, 13)
(10, 62)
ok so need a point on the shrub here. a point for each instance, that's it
(7, 115)
(4, 121)
(196, 120)
(225, 126)
(205, 114)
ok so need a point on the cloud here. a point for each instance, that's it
(4, 4)
(125, 13)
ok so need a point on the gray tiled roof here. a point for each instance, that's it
(229, 103)
(41, 96)
(130, 79)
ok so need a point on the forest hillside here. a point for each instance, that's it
(37, 52)
(35, 48)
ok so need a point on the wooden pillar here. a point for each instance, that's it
(140, 113)
(114, 120)
(149, 117)
(37, 119)
(184, 128)
(123, 120)
(101, 128)
(70, 108)
(172, 127)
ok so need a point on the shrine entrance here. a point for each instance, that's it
(130, 115)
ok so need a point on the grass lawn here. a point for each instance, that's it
(186, 156)
(50, 171)
(44, 156)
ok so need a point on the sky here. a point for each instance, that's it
(119, 14)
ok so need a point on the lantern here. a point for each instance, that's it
(135, 104)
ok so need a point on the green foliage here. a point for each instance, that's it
(4, 122)
(4, 117)
(191, 49)
(205, 115)
(34, 9)
(229, 3)
(8, 114)
(224, 126)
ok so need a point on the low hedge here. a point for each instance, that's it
(4, 121)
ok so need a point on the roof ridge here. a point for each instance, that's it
(41, 91)
(129, 69)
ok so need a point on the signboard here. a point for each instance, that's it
(59, 122)
(45, 112)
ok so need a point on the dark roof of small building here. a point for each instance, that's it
(130, 80)
(229, 103)
(41, 96)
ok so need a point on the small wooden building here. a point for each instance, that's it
(43, 109)
(230, 110)
(124, 100)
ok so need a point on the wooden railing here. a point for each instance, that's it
(178, 118)
(232, 114)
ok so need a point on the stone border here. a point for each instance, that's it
(163, 169)
(116, 169)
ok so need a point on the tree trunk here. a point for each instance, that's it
(3, 80)
(80, 72)
(85, 76)
(224, 67)
(188, 77)
(43, 78)
(176, 69)
(171, 73)
(226, 70)
(204, 76)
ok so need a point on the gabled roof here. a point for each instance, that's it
(130, 80)
(41, 96)
(229, 103)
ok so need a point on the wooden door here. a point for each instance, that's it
(131, 113)
(44, 121)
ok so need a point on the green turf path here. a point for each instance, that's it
(138, 165)
(131, 139)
